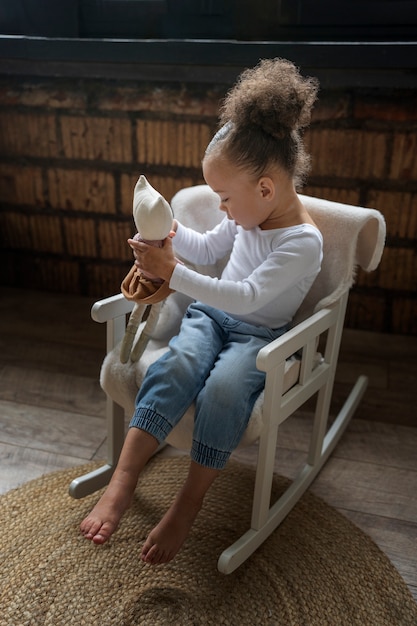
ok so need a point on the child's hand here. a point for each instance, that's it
(159, 261)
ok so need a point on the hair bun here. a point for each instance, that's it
(272, 96)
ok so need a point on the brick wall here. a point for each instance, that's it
(72, 150)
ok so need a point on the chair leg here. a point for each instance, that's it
(92, 481)
(342, 420)
(236, 554)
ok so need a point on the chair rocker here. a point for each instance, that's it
(295, 370)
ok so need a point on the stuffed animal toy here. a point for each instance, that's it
(153, 220)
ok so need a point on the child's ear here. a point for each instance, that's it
(267, 188)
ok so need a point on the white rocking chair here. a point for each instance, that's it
(295, 371)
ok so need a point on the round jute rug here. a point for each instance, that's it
(316, 569)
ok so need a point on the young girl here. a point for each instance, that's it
(253, 163)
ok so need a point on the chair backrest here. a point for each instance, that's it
(353, 236)
(198, 208)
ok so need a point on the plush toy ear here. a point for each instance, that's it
(151, 212)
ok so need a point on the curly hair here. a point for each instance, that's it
(262, 117)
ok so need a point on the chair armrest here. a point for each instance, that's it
(296, 338)
(110, 308)
(112, 311)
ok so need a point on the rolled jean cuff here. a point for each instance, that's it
(151, 422)
(209, 457)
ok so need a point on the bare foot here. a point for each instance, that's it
(166, 539)
(104, 519)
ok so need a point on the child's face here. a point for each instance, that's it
(240, 194)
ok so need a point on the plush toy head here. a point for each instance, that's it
(151, 212)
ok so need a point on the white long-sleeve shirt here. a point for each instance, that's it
(268, 274)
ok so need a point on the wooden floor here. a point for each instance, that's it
(52, 416)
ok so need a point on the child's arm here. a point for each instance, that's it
(199, 248)
(295, 262)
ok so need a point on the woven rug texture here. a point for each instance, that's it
(316, 569)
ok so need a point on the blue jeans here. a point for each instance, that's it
(212, 361)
